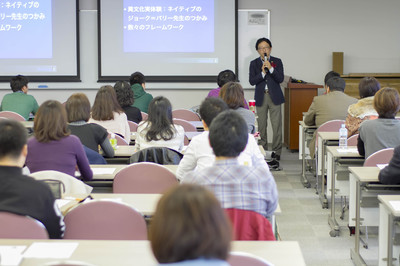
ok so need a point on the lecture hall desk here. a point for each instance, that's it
(136, 252)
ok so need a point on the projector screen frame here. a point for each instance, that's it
(56, 78)
(161, 78)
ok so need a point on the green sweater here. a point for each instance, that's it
(20, 103)
(142, 98)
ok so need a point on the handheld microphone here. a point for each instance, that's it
(266, 59)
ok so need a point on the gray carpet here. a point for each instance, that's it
(303, 220)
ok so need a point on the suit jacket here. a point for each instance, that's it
(328, 107)
(272, 80)
(391, 173)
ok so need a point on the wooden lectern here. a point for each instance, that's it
(298, 97)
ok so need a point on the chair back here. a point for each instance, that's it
(249, 225)
(379, 157)
(12, 115)
(329, 126)
(72, 185)
(187, 126)
(352, 141)
(144, 178)
(21, 227)
(132, 126)
(144, 116)
(120, 140)
(158, 155)
(104, 220)
(246, 259)
(185, 115)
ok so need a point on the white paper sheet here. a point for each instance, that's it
(50, 250)
(103, 171)
(11, 255)
(383, 165)
(395, 204)
(62, 202)
(347, 150)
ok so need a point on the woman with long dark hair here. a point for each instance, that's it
(159, 129)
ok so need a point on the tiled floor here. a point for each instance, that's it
(303, 220)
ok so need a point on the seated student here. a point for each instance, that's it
(236, 186)
(383, 132)
(391, 174)
(91, 135)
(19, 101)
(159, 130)
(125, 100)
(52, 147)
(138, 86)
(21, 194)
(364, 108)
(199, 153)
(232, 93)
(330, 106)
(189, 227)
(107, 113)
(224, 77)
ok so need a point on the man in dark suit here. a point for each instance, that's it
(266, 73)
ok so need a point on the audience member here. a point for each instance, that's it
(138, 85)
(91, 135)
(224, 77)
(364, 108)
(159, 130)
(329, 75)
(391, 174)
(189, 227)
(125, 100)
(199, 154)
(21, 194)
(232, 93)
(107, 113)
(19, 101)
(236, 186)
(52, 147)
(330, 106)
(383, 132)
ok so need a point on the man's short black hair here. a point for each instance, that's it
(336, 84)
(329, 75)
(13, 137)
(228, 134)
(263, 39)
(225, 77)
(18, 82)
(137, 77)
(210, 108)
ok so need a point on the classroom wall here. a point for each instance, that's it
(303, 33)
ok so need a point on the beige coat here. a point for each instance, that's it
(330, 106)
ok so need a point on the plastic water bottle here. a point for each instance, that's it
(113, 141)
(343, 137)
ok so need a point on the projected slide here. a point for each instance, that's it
(39, 39)
(168, 26)
(21, 24)
(176, 40)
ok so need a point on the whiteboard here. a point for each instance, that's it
(252, 25)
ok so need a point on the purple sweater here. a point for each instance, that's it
(62, 155)
(214, 93)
